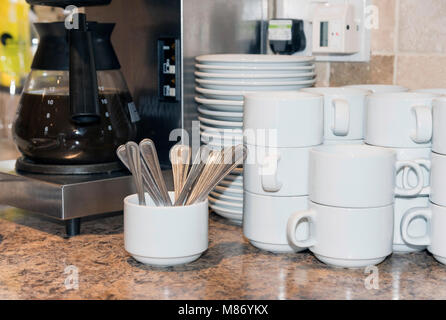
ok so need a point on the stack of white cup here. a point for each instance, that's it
(403, 122)
(280, 128)
(379, 88)
(351, 194)
(434, 236)
(344, 110)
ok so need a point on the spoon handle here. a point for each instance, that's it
(150, 156)
(147, 177)
(194, 173)
(132, 150)
(240, 153)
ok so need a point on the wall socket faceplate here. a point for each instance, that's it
(304, 10)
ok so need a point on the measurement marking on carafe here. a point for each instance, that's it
(109, 128)
(107, 115)
(48, 115)
(50, 102)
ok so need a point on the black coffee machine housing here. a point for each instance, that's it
(157, 42)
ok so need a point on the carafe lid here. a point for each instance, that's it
(53, 52)
(65, 3)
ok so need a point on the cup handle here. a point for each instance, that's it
(268, 173)
(424, 163)
(341, 121)
(423, 131)
(409, 192)
(408, 217)
(294, 221)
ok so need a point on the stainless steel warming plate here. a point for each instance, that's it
(64, 197)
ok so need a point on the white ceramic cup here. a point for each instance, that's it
(165, 236)
(437, 184)
(435, 237)
(357, 176)
(345, 237)
(380, 88)
(344, 110)
(439, 91)
(286, 119)
(406, 179)
(417, 228)
(400, 120)
(336, 142)
(437, 190)
(265, 219)
(276, 171)
(439, 127)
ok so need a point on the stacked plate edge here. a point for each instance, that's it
(221, 82)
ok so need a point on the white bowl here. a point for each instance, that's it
(220, 130)
(254, 85)
(220, 136)
(218, 145)
(231, 184)
(221, 115)
(226, 197)
(220, 123)
(218, 103)
(233, 216)
(226, 95)
(253, 59)
(229, 191)
(231, 205)
(256, 77)
(254, 69)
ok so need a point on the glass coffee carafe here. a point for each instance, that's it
(73, 110)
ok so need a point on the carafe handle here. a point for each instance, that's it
(84, 98)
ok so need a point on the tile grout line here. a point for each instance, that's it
(421, 54)
(328, 71)
(396, 41)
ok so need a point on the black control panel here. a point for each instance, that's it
(169, 69)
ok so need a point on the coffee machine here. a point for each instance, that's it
(75, 110)
(156, 41)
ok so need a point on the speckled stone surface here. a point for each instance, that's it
(34, 256)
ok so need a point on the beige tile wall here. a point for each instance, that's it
(408, 48)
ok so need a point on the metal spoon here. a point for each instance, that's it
(221, 170)
(148, 181)
(150, 156)
(209, 168)
(180, 159)
(134, 158)
(195, 171)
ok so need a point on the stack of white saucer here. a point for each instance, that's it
(221, 82)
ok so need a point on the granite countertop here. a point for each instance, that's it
(38, 262)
